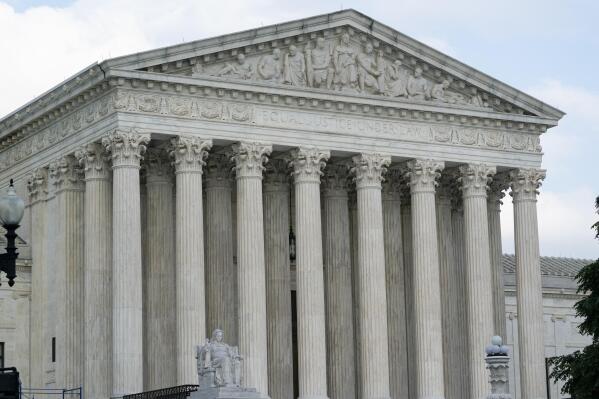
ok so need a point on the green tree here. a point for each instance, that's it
(580, 370)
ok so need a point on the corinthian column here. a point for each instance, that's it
(251, 279)
(408, 260)
(525, 184)
(396, 290)
(127, 148)
(338, 284)
(67, 177)
(160, 353)
(221, 276)
(97, 270)
(37, 185)
(307, 164)
(479, 289)
(188, 153)
(278, 286)
(374, 348)
(450, 292)
(427, 299)
(495, 194)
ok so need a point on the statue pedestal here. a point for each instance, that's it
(227, 393)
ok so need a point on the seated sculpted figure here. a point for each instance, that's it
(218, 363)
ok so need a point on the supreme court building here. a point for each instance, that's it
(327, 191)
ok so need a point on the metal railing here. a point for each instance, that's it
(178, 392)
(51, 393)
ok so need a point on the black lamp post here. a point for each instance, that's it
(11, 213)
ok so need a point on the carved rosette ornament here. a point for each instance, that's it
(250, 158)
(95, 161)
(126, 147)
(188, 153)
(423, 174)
(65, 174)
(37, 185)
(475, 179)
(369, 170)
(158, 166)
(525, 183)
(217, 171)
(307, 164)
(497, 189)
(336, 180)
(276, 175)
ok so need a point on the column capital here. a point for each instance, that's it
(65, 174)
(249, 158)
(127, 147)
(158, 167)
(475, 178)
(423, 174)
(218, 171)
(95, 161)
(369, 170)
(37, 185)
(276, 175)
(497, 189)
(525, 183)
(393, 185)
(307, 163)
(336, 180)
(188, 153)
(447, 186)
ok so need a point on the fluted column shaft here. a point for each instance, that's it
(495, 195)
(311, 331)
(188, 154)
(127, 148)
(374, 350)
(474, 183)
(69, 340)
(406, 231)
(160, 353)
(427, 301)
(97, 271)
(396, 290)
(221, 276)
(338, 284)
(278, 285)
(251, 279)
(524, 184)
(449, 291)
(37, 185)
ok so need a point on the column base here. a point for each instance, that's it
(227, 393)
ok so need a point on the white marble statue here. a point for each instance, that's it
(243, 69)
(318, 64)
(418, 85)
(371, 71)
(344, 62)
(218, 363)
(294, 67)
(269, 67)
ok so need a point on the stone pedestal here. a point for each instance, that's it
(251, 276)
(338, 283)
(374, 352)
(524, 184)
(188, 153)
(97, 271)
(227, 393)
(278, 284)
(427, 300)
(474, 180)
(307, 164)
(126, 148)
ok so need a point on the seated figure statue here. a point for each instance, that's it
(218, 363)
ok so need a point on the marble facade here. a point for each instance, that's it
(384, 156)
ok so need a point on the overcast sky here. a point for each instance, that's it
(547, 48)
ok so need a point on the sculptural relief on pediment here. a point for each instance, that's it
(340, 63)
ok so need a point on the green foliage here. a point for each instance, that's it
(580, 370)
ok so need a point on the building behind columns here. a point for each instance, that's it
(327, 191)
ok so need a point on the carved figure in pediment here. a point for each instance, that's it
(269, 67)
(371, 71)
(242, 69)
(477, 101)
(344, 61)
(197, 69)
(440, 93)
(396, 80)
(318, 64)
(294, 67)
(418, 86)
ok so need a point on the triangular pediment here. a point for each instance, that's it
(345, 53)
